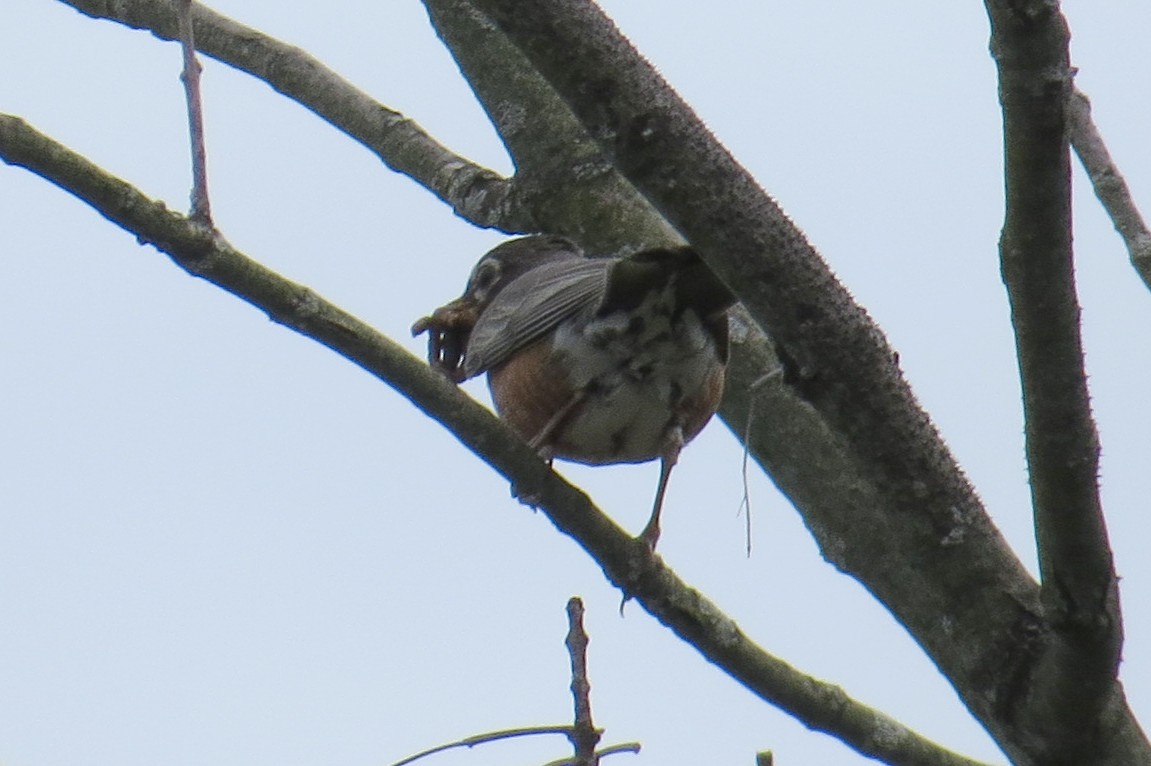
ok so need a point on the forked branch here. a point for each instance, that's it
(627, 562)
(475, 193)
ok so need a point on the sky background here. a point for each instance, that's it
(222, 543)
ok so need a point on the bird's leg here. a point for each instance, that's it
(541, 441)
(667, 461)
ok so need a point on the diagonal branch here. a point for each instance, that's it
(564, 178)
(909, 525)
(1076, 666)
(627, 562)
(1108, 183)
(835, 358)
(475, 193)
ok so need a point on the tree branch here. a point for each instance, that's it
(201, 204)
(604, 212)
(909, 528)
(626, 562)
(1108, 183)
(1074, 677)
(582, 198)
(564, 179)
(475, 193)
(921, 541)
(584, 736)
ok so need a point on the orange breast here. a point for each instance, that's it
(625, 422)
(528, 391)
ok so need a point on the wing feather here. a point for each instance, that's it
(532, 305)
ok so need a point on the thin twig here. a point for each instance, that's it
(480, 739)
(623, 747)
(745, 503)
(603, 752)
(584, 736)
(475, 193)
(201, 207)
(1108, 183)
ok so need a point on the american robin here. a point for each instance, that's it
(597, 360)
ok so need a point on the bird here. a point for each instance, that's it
(592, 359)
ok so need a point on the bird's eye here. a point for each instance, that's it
(486, 274)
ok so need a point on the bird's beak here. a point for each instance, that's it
(449, 328)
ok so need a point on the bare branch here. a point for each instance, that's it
(483, 739)
(973, 600)
(475, 193)
(564, 178)
(1108, 183)
(584, 736)
(603, 752)
(1074, 677)
(201, 207)
(628, 563)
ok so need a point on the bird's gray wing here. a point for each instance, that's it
(531, 306)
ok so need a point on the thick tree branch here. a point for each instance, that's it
(921, 542)
(578, 195)
(616, 219)
(1109, 185)
(908, 525)
(627, 562)
(1076, 663)
(475, 193)
(963, 595)
(604, 212)
(565, 181)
